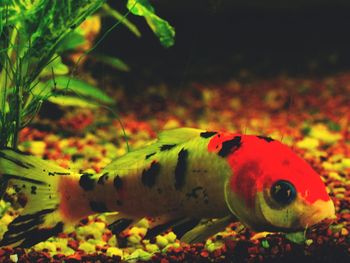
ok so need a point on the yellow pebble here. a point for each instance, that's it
(87, 247)
(99, 225)
(214, 246)
(344, 232)
(37, 147)
(336, 176)
(345, 163)
(137, 255)
(161, 241)
(51, 247)
(171, 237)
(321, 132)
(113, 241)
(14, 258)
(138, 231)
(308, 143)
(143, 223)
(308, 242)
(152, 248)
(134, 239)
(114, 251)
(6, 219)
(327, 166)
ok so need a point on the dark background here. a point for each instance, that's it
(221, 40)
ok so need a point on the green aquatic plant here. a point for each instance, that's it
(33, 35)
(31, 32)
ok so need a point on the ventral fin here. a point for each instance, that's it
(118, 222)
(179, 135)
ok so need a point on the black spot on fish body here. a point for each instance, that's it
(207, 134)
(230, 146)
(193, 193)
(149, 155)
(57, 173)
(16, 188)
(167, 147)
(119, 203)
(102, 179)
(98, 207)
(118, 182)
(267, 139)
(86, 182)
(180, 169)
(33, 190)
(149, 176)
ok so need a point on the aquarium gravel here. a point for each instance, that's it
(310, 115)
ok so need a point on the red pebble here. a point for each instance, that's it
(205, 254)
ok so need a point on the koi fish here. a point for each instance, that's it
(187, 177)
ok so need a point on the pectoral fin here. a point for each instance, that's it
(206, 229)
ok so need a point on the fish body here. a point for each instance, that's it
(186, 173)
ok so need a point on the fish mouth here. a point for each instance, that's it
(321, 211)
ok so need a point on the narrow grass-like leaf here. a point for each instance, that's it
(114, 62)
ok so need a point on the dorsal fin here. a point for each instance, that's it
(165, 138)
(178, 135)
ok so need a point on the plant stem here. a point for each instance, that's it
(114, 13)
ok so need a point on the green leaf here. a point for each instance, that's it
(111, 61)
(296, 237)
(162, 29)
(70, 101)
(122, 18)
(71, 41)
(80, 88)
(56, 66)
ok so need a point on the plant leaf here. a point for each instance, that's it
(70, 101)
(111, 61)
(122, 18)
(80, 88)
(71, 41)
(161, 28)
(56, 66)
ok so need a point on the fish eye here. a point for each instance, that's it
(283, 192)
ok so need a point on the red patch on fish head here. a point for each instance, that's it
(260, 163)
(244, 182)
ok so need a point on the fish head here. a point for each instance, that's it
(273, 189)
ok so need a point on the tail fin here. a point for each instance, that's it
(36, 182)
